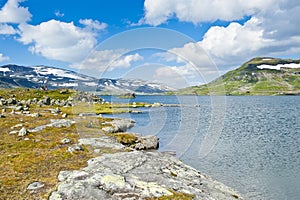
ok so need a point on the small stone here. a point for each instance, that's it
(65, 141)
(13, 132)
(16, 126)
(26, 139)
(35, 186)
(2, 116)
(36, 115)
(19, 108)
(75, 148)
(3, 110)
(64, 115)
(46, 100)
(23, 132)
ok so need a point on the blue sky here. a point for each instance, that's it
(177, 42)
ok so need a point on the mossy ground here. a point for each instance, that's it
(175, 196)
(43, 156)
(38, 159)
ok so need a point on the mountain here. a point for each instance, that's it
(258, 76)
(12, 76)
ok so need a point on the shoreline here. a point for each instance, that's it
(136, 174)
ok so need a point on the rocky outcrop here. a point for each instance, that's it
(118, 125)
(138, 175)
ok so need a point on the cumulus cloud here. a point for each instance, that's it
(159, 11)
(107, 60)
(93, 24)
(59, 40)
(3, 58)
(12, 12)
(7, 30)
(272, 31)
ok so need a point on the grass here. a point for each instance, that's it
(249, 80)
(38, 159)
(25, 93)
(175, 196)
(43, 156)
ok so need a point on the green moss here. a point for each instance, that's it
(125, 138)
(175, 196)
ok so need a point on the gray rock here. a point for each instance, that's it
(64, 115)
(58, 123)
(65, 141)
(119, 125)
(138, 175)
(46, 100)
(13, 132)
(63, 175)
(36, 115)
(12, 101)
(87, 114)
(146, 142)
(55, 111)
(23, 132)
(75, 147)
(19, 108)
(102, 142)
(35, 186)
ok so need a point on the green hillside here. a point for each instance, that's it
(250, 80)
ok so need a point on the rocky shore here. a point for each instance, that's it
(120, 165)
(138, 172)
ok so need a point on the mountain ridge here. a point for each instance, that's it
(12, 76)
(258, 76)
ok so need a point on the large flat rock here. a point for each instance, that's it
(138, 175)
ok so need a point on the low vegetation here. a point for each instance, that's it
(40, 156)
(249, 80)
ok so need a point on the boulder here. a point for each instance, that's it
(138, 175)
(119, 125)
(146, 142)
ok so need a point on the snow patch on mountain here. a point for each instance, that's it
(279, 66)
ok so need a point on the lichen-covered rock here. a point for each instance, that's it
(146, 142)
(119, 125)
(138, 175)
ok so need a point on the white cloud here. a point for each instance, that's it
(93, 24)
(235, 42)
(59, 14)
(3, 58)
(271, 32)
(11, 12)
(159, 11)
(7, 30)
(58, 40)
(106, 60)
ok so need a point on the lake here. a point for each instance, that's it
(249, 143)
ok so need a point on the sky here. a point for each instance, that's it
(176, 42)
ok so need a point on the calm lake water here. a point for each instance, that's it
(254, 142)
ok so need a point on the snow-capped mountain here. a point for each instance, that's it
(51, 77)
